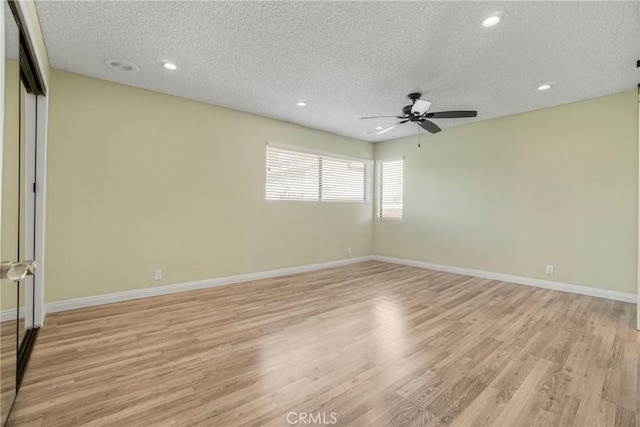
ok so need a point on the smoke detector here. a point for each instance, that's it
(122, 66)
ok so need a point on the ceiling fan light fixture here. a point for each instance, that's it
(492, 20)
(420, 107)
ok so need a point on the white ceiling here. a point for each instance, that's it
(11, 34)
(353, 59)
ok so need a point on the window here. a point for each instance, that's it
(389, 188)
(302, 175)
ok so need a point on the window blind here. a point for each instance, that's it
(300, 175)
(389, 188)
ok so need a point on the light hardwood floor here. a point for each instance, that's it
(377, 344)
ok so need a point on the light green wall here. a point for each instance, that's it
(510, 195)
(138, 180)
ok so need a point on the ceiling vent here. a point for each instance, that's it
(122, 66)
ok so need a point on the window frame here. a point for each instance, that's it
(379, 184)
(369, 173)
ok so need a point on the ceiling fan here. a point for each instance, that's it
(417, 112)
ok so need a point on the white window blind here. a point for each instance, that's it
(389, 188)
(300, 175)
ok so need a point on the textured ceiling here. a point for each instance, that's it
(354, 59)
(11, 34)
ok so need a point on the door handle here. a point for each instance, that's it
(17, 270)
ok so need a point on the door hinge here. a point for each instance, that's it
(34, 187)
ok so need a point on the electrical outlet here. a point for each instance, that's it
(157, 275)
(549, 270)
(349, 250)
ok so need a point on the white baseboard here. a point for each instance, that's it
(73, 304)
(10, 314)
(528, 281)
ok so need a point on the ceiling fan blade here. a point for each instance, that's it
(381, 117)
(429, 126)
(393, 126)
(451, 114)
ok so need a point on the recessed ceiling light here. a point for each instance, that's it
(169, 65)
(301, 104)
(545, 86)
(379, 128)
(122, 66)
(491, 21)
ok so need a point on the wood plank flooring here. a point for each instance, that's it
(371, 344)
(8, 361)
